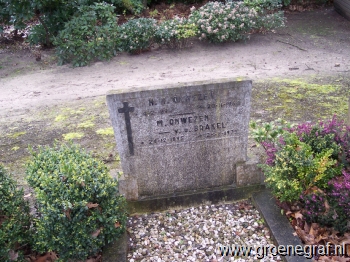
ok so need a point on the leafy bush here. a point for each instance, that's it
(78, 202)
(92, 34)
(52, 14)
(220, 22)
(14, 219)
(339, 199)
(232, 21)
(297, 168)
(314, 205)
(175, 33)
(137, 35)
(134, 6)
(309, 163)
(259, 5)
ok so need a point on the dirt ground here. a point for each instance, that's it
(300, 72)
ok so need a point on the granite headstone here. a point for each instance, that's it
(179, 138)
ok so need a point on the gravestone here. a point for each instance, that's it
(180, 138)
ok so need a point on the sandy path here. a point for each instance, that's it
(291, 52)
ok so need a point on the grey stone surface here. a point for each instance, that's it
(181, 137)
(278, 224)
(248, 173)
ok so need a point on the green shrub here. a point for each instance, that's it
(137, 35)
(175, 33)
(260, 5)
(232, 21)
(219, 22)
(14, 219)
(134, 6)
(78, 202)
(52, 14)
(92, 34)
(297, 168)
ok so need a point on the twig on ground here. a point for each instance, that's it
(291, 45)
(309, 68)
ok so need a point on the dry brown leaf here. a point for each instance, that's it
(298, 215)
(96, 233)
(48, 257)
(339, 259)
(289, 213)
(117, 224)
(326, 205)
(91, 205)
(313, 231)
(324, 259)
(67, 212)
(13, 255)
(313, 189)
(307, 228)
(308, 239)
(345, 239)
(321, 237)
(53, 256)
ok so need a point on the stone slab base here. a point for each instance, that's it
(188, 199)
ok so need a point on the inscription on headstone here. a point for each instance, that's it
(180, 137)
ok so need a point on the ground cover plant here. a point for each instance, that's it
(307, 170)
(77, 200)
(14, 220)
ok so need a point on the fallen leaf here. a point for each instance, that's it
(96, 233)
(91, 205)
(307, 228)
(298, 215)
(289, 213)
(308, 239)
(324, 259)
(67, 212)
(28, 195)
(326, 205)
(48, 257)
(13, 255)
(313, 232)
(117, 224)
(340, 259)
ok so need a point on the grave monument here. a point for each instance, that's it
(181, 138)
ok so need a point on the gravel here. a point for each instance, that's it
(195, 234)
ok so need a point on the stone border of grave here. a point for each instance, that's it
(280, 228)
(262, 199)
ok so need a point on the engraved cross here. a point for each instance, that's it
(126, 110)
